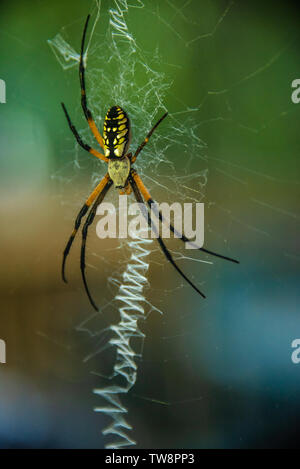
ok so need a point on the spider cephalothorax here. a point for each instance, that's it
(115, 144)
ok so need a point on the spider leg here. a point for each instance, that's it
(79, 217)
(150, 202)
(139, 149)
(163, 247)
(79, 140)
(85, 228)
(86, 110)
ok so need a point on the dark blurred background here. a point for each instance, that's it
(214, 374)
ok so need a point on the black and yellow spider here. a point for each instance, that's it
(115, 144)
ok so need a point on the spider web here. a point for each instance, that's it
(124, 61)
(120, 70)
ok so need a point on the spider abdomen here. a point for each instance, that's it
(116, 133)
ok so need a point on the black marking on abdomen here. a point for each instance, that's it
(116, 132)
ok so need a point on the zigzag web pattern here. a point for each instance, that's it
(130, 296)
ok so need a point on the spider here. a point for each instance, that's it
(115, 145)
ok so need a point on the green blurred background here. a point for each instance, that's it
(213, 374)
